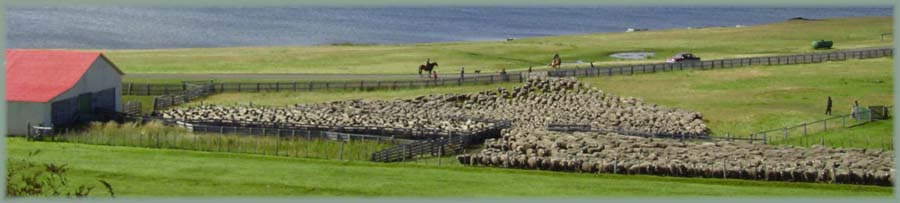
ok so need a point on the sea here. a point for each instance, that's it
(180, 27)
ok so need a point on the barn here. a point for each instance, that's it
(59, 87)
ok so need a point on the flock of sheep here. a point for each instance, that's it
(539, 102)
(542, 101)
(590, 152)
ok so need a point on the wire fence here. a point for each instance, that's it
(336, 146)
(810, 133)
(722, 63)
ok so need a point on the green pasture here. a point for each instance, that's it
(788, 37)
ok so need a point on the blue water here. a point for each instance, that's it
(147, 27)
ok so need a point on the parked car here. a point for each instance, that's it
(683, 56)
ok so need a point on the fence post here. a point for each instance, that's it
(341, 156)
(785, 134)
(277, 140)
(804, 129)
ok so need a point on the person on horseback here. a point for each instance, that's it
(428, 66)
(556, 61)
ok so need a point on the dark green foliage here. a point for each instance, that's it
(30, 179)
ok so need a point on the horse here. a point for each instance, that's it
(556, 62)
(427, 67)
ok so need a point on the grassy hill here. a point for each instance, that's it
(708, 43)
(156, 172)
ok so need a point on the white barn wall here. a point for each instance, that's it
(19, 114)
(100, 76)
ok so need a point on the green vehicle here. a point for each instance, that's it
(822, 44)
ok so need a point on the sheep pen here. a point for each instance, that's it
(543, 101)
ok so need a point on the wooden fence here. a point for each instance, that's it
(190, 94)
(801, 134)
(721, 63)
(453, 143)
(132, 108)
(174, 89)
(165, 89)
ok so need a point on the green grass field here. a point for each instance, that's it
(164, 172)
(708, 43)
(750, 99)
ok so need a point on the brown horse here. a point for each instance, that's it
(427, 67)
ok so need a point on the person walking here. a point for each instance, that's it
(828, 107)
(434, 74)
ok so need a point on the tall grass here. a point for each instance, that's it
(156, 135)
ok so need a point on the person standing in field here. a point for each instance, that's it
(462, 72)
(828, 107)
(434, 73)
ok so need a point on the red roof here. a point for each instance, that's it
(34, 75)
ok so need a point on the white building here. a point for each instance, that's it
(58, 87)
